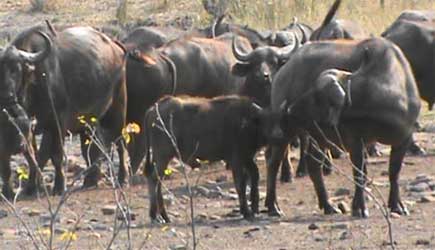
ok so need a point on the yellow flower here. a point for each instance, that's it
(133, 128)
(168, 172)
(94, 119)
(87, 142)
(68, 236)
(165, 228)
(126, 135)
(44, 231)
(22, 172)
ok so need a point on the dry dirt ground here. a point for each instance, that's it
(217, 225)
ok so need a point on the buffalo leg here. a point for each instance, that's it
(358, 158)
(5, 170)
(157, 211)
(35, 174)
(239, 178)
(274, 155)
(396, 158)
(137, 152)
(255, 177)
(286, 174)
(301, 170)
(314, 162)
(57, 160)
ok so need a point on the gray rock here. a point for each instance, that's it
(423, 242)
(340, 226)
(313, 226)
(342, 192)
(108, 210)
(178, 247)
(229, 196)
(215, 217)
(420, 187)
(343, 207)
(427, 199)
(345, 235)
(33, 212)
(3, 213)
(203, 191)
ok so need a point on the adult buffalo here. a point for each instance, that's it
(310, 94)
(15, 125)
(332, 28)
(192, 66)
(81, 74)
(145, 38)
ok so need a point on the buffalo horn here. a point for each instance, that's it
(31, 57)
(285, 53)
(243, 57)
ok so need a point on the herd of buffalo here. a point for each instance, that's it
(219, 93)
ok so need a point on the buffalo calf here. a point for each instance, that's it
(223, 128)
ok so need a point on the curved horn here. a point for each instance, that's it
(31, 57)
(243, 57)
(287, 51)
(173, 68)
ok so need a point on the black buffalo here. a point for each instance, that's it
(332, 28)
(192, 66)
(15, 125)
(223, 128)
(82, 74)
(351, 93)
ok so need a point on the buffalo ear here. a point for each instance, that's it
(241, 69)
(142, 57)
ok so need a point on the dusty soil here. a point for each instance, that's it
(217, 225)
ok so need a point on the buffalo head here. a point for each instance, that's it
(326, 99)
(13, 63)
(259, 66)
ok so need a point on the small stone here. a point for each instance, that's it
(3, 213)
(432, 185)
(108, 209)
(202, 216)
(215, 217)
(420, 187)
(33, 212)
(210, 182)
(319, 238)
(344, 235)
(313, 226)
(385, 173)
(232, 191)
(342, 192)
(174, 214)
(254, 229)
(222, 178)
(427, 199)
(422, 242)
(203, 190)
(95, 235)
(230, 196)
(343, 207)
(340, 226)
(395, 215)
(129, 214)
(178, 247)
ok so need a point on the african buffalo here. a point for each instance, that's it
(15, 125)
(349, 93)
(82, 74)
(192, 66)
(332, 28)
(224, 128)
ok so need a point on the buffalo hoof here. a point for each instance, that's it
(275, 212)
(91, 179)
(400, 209)
(160, 220)
(331, 210)
(286, 178)
(360, 213)
(416, 150)
(327, 170)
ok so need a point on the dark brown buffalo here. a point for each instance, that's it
(145, 38)
(417, 15)
(259, 67)
(223, 128)
(191, 66)
(332, 28)
(82, 73)
(15, 125)
(373, 97)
